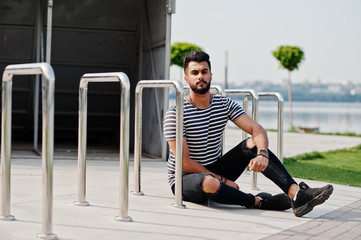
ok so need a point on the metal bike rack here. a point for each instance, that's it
(124, 138)
(280, 100)
(220, 90)
(246, 93)
(179, 134)
(48, 84)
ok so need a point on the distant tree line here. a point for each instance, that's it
(304, 92)
(325, 97)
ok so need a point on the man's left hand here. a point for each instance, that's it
(258, 164)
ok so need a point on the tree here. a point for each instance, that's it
(179, 50)
(289, 57)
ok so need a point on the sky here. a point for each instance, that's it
(328, 31)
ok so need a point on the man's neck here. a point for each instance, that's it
(200, 100)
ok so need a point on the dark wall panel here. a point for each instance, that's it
(96, 14)
(16, 43)
(93, 47)
(17, 12)
(92, 36)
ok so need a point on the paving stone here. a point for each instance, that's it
(343, 223)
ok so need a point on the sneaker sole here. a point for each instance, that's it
(321, 198)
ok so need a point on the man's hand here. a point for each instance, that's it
(258, 164)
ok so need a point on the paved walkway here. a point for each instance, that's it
(343, 223)
(154, 217)
(298, 143)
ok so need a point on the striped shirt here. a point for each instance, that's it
(203, 128)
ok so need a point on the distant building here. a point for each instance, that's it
(334, 88)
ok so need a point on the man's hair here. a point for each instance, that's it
(196, 56)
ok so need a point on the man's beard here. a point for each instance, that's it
(202, 90)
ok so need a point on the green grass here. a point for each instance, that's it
(348, 134)
(339, 166)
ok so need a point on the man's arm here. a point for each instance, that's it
(191, 166)
(259, 137)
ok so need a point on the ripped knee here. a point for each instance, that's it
(250, 142)
(210, 184)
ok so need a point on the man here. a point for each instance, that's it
(209, 175)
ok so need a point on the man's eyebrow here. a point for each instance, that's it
(204, 69)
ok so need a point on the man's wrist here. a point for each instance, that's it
(263, 152)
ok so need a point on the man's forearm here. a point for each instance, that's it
(260, 138)
(191, 166)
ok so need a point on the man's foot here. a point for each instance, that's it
(307, 198)
(277, 202)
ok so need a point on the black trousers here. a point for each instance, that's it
(231, 166)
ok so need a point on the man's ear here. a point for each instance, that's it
(186, 78)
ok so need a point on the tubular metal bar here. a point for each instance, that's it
(47, 141)
(124, 138)
(179, 134)
(48, 30)
(38, 58)
(245, 108)
(279, 97)
(220, 90)
(254, 95)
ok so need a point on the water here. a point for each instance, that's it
(329, 117)
(335, 117)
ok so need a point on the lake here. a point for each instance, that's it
(332, 117)
(335, 117)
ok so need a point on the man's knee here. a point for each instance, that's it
(250, 142)
(211, 184)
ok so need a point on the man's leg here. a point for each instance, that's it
(304, 198)
(201, 187)
(232, 164)
(275, 170)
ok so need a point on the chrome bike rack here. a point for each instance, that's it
(246, 93)
(48, 85)
(124, 138)
(280, 100)
(179, 134)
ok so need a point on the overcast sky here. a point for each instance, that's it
(328, 31)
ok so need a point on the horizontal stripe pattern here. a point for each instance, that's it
(203, 128)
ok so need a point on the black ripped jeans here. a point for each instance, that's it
(231, 166)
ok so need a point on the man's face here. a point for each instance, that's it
(198, 76)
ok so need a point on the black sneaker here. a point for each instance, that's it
(277, 202)
(308, 198)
